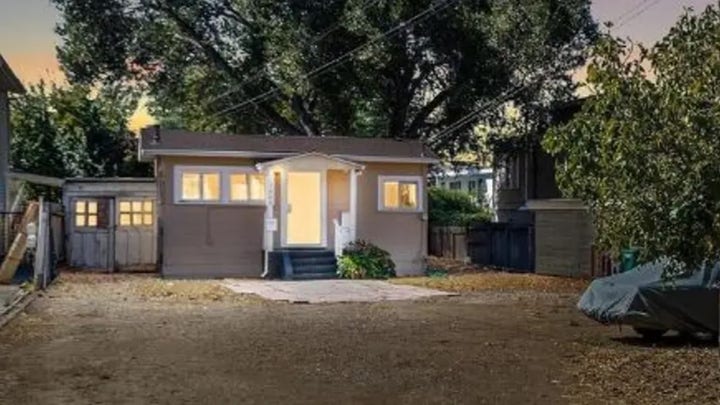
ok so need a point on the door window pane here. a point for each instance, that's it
(92, 220)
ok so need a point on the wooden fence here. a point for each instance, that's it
(491, 244)
(449, 242)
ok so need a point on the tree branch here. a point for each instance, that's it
(428, 109)
(215, 57)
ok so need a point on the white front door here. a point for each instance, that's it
(304, 209)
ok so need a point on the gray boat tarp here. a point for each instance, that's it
(641, 298)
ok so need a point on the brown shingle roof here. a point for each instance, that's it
(8, 81)
(180, 141)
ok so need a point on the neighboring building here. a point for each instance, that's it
(9, 83)
(252, 206)
(527, 193)
(476, 181)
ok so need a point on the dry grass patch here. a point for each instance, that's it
(497, 281)
(148, 287)
(631, 374)
(190, 290)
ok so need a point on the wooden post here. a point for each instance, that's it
(41, 251)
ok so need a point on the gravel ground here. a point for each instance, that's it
(130, 339)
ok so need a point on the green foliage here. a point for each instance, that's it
(74, 131)
(455, 208)
(643, 152)
(363, 260)
(199, 58)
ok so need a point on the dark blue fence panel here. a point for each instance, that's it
(502, 245)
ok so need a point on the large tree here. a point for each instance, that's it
(392, 68)
(643, 152)
(75, 131)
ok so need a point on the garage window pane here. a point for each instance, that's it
(137, 206)
(92, 207)
(147, 219)
(92, 220)
(80, 207)
(190, 186)
(148, 207)
(137, 219)
(124, 206)
(80, 220)
(125, 220)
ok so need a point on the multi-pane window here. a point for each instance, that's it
(400, 193)
(200, 186)
(455, 185)
(219, 185)
(86, 213)
(136, 213)
(247, 187)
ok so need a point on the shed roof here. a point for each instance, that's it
(8, 81)
(156, 142)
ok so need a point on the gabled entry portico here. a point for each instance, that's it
(311, 203)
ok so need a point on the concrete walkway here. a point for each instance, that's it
(328, 291)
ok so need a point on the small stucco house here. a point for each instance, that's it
(258, 206)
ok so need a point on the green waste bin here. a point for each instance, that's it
(628, 259)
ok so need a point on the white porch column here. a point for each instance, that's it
(353, 204)
(269, 223)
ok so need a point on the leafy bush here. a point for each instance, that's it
(455, 208)
(363, 260)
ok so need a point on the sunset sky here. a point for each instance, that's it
(27, 39)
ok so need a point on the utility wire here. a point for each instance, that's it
(257, 73)
(427, 13)
(638, 13)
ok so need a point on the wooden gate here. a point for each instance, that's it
(503, 245)
(135, 234)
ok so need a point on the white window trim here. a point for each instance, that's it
(420, 190)
(225, 185)
(224, 172)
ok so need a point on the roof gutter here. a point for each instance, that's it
(148, 154)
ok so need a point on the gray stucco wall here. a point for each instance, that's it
(402, 234)
(563, 242)
(207, 241)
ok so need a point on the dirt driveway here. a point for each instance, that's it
(102, 339)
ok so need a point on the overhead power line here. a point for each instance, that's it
(638, 13)
(257, 73)
(427, 13)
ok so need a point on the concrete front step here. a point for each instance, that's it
(325, 269)
(314, 276)
(310, 264)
